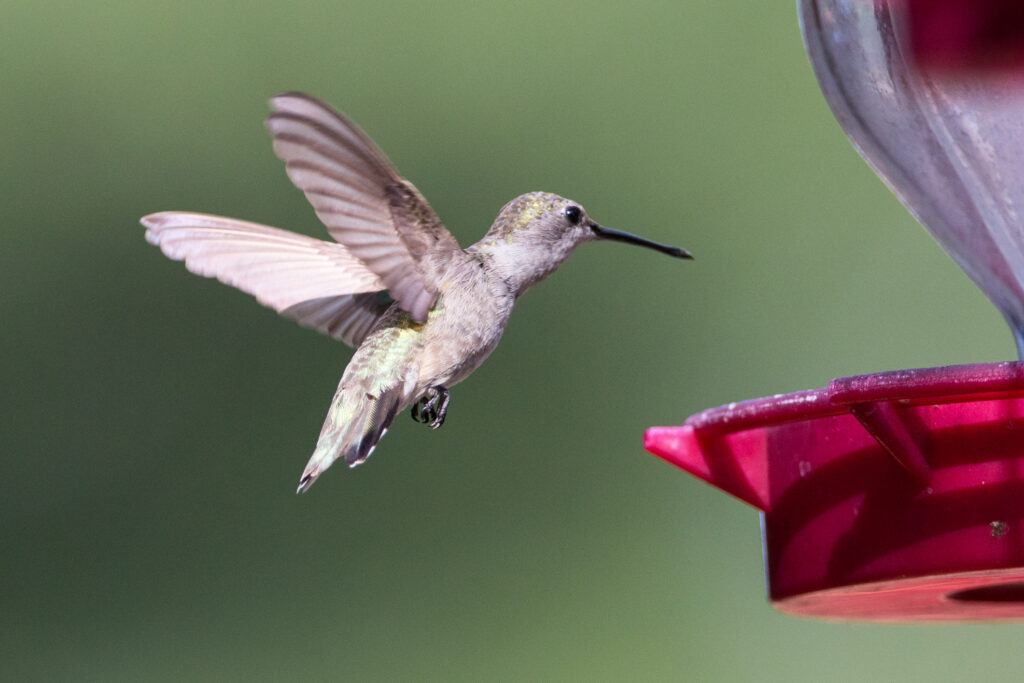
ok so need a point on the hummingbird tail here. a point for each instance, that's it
(354, 425)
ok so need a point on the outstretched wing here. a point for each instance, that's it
(319, 284)
(380, 217)
(348, 317)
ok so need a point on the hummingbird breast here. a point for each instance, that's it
(465, 325)
(461, 331)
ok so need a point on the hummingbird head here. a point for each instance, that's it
(535, 232)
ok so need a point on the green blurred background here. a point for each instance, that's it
(155, 423)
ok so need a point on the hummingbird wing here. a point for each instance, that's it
(380, 217)
(348, 318)
(316, 283)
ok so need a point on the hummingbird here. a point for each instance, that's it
(422, 312)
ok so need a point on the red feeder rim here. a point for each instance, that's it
(891, 497)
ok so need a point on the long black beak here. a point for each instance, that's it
(629, 238)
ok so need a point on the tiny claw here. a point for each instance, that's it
(432, 407)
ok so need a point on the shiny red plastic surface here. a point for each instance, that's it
(897, 496)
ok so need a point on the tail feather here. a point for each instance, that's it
(376, 425)
(354, 425)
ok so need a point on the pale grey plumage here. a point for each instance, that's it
(423, 312)
(356, 192)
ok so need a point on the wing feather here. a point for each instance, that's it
(348, 318)
(319, 284)
(380, 217)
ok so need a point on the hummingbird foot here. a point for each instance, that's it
(432, 408)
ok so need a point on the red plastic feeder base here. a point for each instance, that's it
(889, 497)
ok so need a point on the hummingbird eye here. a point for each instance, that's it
(573, 214)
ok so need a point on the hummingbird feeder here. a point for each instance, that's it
(900, 496)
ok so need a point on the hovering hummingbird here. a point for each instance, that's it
(421, 312)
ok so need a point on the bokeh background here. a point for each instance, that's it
(155, 424)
